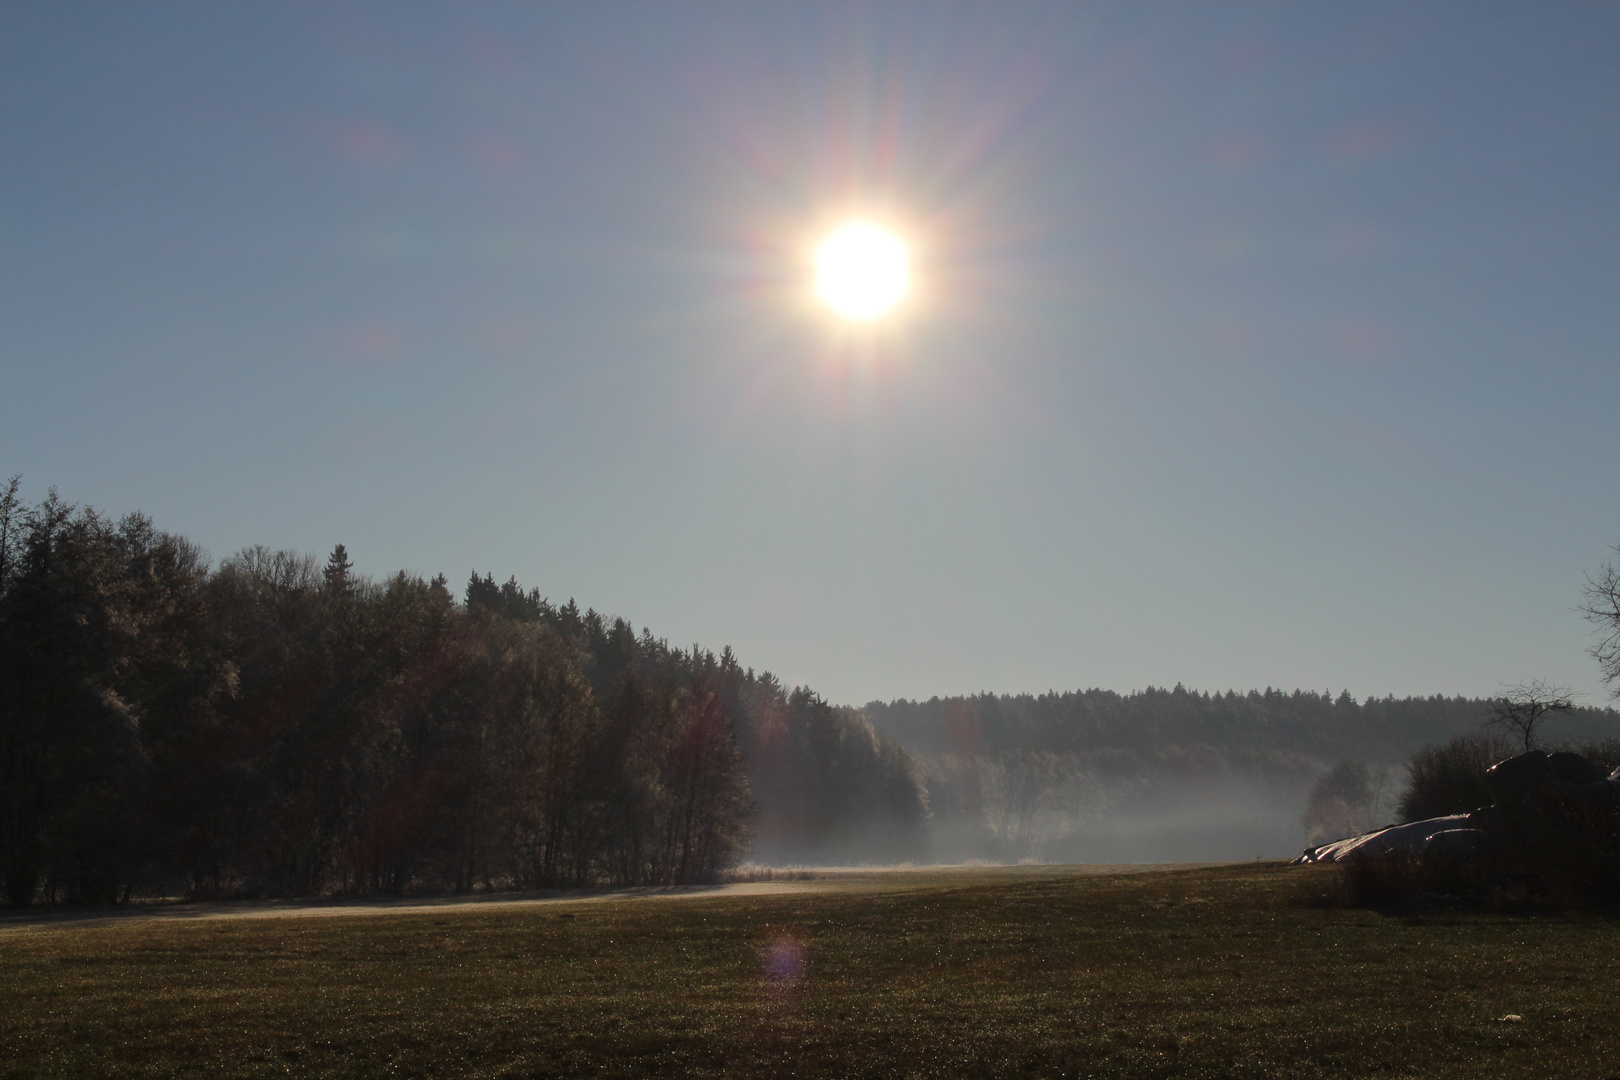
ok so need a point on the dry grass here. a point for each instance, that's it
(754, 872)
(1029, 972)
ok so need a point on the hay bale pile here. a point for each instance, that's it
(1552, 832)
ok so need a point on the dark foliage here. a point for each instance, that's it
(1168, 774)
(1551, 844)
(1450, 778)
(1565, 856)
(1319, 726)
(276, 727)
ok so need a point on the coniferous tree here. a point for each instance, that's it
(337, 575)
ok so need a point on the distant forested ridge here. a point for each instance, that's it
(1162, 775)
(279, 726)
(1317, 725)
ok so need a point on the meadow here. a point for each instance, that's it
(1225, 971)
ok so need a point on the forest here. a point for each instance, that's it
(1167, 775)
(278, 725)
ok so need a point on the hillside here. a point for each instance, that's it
(1160, 775)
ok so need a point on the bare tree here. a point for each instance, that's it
(1520, 709)
(1349, 799)
(1342, 803)
(1020, 785)
(1602, 609)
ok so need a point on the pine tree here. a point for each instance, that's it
(337, 575)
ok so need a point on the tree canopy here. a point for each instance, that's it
(277, 726)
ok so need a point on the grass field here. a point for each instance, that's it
(1208, 972)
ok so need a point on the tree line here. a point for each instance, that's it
(1320, 726)
(1174, 774)
(278, 726)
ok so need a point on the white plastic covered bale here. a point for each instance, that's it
(1410, 837)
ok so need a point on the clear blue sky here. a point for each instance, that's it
(1253, 344)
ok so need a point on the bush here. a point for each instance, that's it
(1605, 754)
(1567, 848)
(1381, 880)
(1557, 849)
(1450, 779)
(1398, 879)
(1562, 854)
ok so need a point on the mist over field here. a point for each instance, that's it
(1162, 775)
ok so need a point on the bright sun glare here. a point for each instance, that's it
(862, 270)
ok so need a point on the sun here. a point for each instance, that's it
(862, 270)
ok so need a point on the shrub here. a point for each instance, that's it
(1450, 779)
(1381, 880)
(1558, 848)
(1561, 854)
(1604, 754)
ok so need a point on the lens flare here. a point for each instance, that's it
(785, 963)
(862, 270)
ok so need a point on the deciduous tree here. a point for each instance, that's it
(1602, 608)
(1522, 709)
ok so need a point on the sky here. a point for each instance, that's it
(1249, 345)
